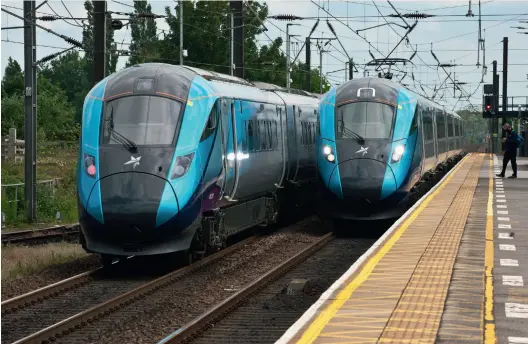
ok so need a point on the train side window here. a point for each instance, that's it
(440, 125)
(210, 126)
(450, 126)
(428, 126)
(252, 137)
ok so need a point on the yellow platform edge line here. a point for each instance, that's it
(489, 332)
(315, 328)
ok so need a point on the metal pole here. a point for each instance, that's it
(238, 36)
(495, 123)
(181, 32)
(30, 112)
(504, 79)
(321, 71)
(351, 70)
(231, 67)
(308, 67)
(99, 44)
(288, 57)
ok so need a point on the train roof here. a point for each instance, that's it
(388, 87)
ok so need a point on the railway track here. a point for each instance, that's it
(265, 308)
(83, 306)
(41, 236)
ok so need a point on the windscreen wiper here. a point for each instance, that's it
(126, 142)
(359, 138)
(129, 144)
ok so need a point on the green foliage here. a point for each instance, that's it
(55, 116)
(145, 43)
(475, 127)
(13, 80)
(70, 71)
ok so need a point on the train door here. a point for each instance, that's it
(229, 147)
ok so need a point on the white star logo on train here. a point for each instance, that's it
(363, 150)
(134, 161)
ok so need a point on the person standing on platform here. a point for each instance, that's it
(511, 143)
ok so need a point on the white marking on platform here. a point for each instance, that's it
(505, 236)
(502, 212)
(503, 219)
(501, 200)
(500, 196)
(502, 206)
(517, 340)
(514, 281)
(499, 191)
(505, 247)
(502, 226)
(516, 310)
(509, 262)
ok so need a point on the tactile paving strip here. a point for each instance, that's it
(415, 318)
(463, 313)
(401, 295)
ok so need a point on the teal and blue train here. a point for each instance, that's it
(179, 159)
(379, 147)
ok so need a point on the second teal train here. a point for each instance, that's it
(380, 147)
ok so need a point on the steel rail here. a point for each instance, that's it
(200, 324)
(93, 314)
(44, 293)
(32, 237)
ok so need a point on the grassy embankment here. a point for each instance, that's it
(53, 161)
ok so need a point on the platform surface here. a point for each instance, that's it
(451, 270)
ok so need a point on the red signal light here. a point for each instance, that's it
(488, 107)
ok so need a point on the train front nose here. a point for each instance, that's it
(366, 180)
(134, 205)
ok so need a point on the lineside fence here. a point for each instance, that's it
(13, 149)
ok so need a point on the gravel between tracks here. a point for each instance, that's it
(49, 275)
(167, 309)
(265, 316)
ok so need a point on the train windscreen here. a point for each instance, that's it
(144, 120)
(367, 119)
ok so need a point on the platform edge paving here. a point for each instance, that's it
(462, 318)
(319, 309)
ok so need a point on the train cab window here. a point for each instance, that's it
(414, 124)
(145, 120)
(440, 125)
(210, 126)
(368, 119)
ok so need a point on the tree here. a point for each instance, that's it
(72, 73)
(144, 46)
(55, 116)
(13, 80)
(88, 42)
(475, 127)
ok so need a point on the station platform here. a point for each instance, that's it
(451, 270)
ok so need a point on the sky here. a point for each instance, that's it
(451, 35)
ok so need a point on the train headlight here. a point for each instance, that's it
(397, 153)
(89, 165)
(182, 165)
(329, 153)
